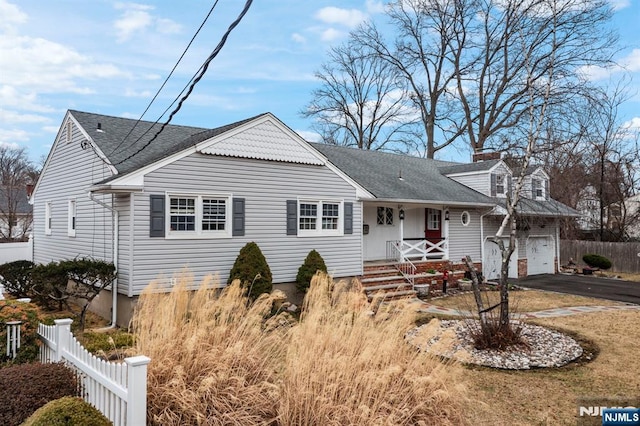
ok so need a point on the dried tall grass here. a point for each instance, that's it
(216, 360)
(211, 362)
(348, 366)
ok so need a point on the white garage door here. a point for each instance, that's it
(540, 255)
(493, 261)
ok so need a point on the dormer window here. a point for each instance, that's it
(537, 188)
(500, 185)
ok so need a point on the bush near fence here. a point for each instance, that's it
(624, 256)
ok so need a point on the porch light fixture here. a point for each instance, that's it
(401, 213)
(446, 215)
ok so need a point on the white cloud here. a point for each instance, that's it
(130, 115)
(51, 129)
(134, 19)
(620, 4)
(629, 63)
(167, 26)
(349, 18)
(137, 18)
(331, 34)
(309, 136)
(131, 93)
(375, 6)
(10, 137)
(11, 16)
(633, 124)
(298, 38)
(44, 66)
(25, 101)
(14, 117)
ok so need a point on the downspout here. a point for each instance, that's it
(114, 284)
(482, 236)
(557, 222)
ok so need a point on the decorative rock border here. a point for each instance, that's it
(452, 339)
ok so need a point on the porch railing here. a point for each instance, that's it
(405, 266)
(419, 249)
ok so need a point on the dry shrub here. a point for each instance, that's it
(211, 363)
(348, 366)
(215, 359)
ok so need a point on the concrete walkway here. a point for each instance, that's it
(428, 308)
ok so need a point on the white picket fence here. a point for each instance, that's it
(118, 390)
(10, 252)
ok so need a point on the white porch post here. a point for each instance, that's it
(445, 233)
(401, 216)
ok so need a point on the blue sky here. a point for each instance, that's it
(110, 57)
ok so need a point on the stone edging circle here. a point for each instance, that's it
(452, 339)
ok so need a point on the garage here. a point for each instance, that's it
(540, 255)
(493, 260)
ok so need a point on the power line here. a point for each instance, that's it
(166, 80)
(200, 74)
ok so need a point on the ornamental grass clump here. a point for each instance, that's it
(348, 365)
(211, 361)
(219, 358)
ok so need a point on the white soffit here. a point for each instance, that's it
(265, 141)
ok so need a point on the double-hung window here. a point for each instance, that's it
(47, 218)
(537, 188)
(500, 185)
(198, 216)
(319, 217)
(71, 218)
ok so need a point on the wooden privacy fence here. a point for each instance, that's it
(118, 390)
(624, 256)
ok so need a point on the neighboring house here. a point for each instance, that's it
(16, 214)
(623, 219)
(194, 197)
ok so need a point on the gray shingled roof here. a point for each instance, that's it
(469, 167)
(551, 207)
(380, 172)
(174, 138)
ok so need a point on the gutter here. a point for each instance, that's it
(114, 284)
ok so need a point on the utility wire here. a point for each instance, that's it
(166, 80)
(200, 74)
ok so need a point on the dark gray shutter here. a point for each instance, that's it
(292, 217)
(493, 184)
(509, 185)
(238, 217)
(348, 218)
(156, 219)
(546, 189)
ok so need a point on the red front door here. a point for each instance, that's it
(433, 225)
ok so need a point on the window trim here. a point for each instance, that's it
(429, 217)
(47, 218)
(72, 217)
(468, 215)
(319, 232)
(534, 190)
(385, 216)
(198, 232)
(503, 193)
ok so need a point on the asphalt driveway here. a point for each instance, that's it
(584, 285)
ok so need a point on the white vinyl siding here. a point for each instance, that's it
(464, 240)
(266, 187)
(71, 169)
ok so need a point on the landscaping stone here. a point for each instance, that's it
(452, 339)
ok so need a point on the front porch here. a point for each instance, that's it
(401, 280)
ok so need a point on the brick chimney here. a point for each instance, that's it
(485, 156)
(30, 187)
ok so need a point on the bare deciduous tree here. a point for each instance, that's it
(16, 171)
(359, 103)
(421, 55)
